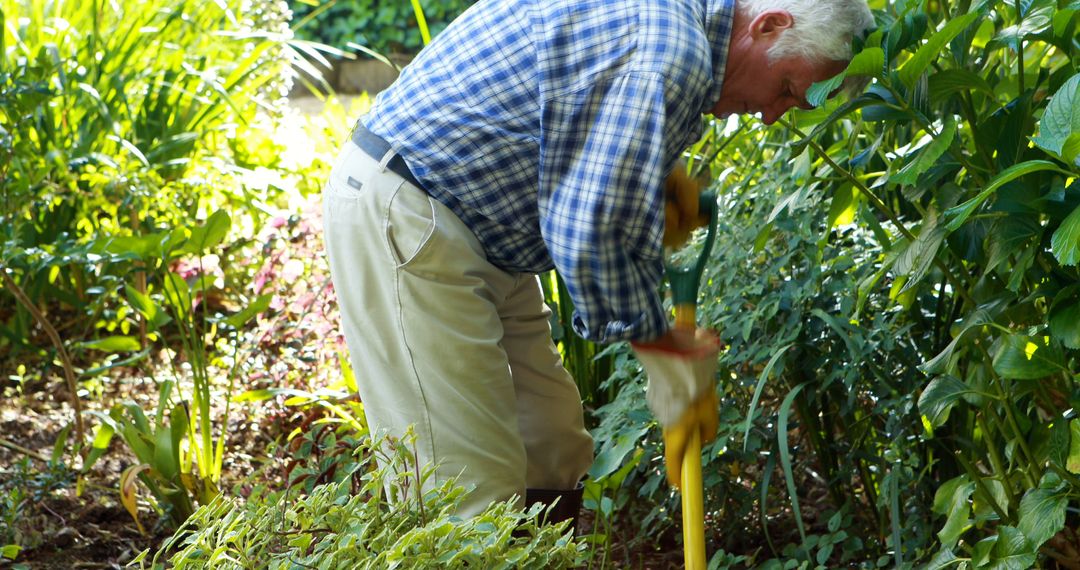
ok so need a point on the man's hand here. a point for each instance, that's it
(681, 367)
(681, 211)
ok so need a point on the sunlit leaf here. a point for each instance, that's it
(115, 343)
(845, 204)
(103, 434)
(146, 307)
(209, 234)
(10, 551)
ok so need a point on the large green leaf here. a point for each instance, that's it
(1022, 357)
(939, 397)
(945, 559)
(1034, 22)
(146, 307)
(961, 213)
(927, 156)
(611, 458)
(917, 258)
(949, 81)
(1065, 324)
(951, 500)
(1065, 243)
(933, 48)
(845, 204)
(1011, 551)
(940, 363)
(1061, 118)
(1042, 514)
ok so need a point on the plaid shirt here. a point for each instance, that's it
(548, 127)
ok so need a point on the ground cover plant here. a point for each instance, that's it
(896, 286)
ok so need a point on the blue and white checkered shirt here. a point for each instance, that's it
(548, 127)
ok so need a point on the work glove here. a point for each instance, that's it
(681, 210)
(681, 367)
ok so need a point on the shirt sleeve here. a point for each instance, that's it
(605, 151)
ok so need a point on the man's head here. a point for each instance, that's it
(780, 47)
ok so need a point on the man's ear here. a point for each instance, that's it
(769, 24)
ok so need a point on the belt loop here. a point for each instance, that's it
(386, 159)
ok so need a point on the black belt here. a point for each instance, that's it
(376, 148)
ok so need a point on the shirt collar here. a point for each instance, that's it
(719, 17)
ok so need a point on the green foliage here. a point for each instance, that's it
(112, 114)
(385, 27)
(897, 290)
(337, 526)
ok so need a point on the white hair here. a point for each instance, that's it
(823, 29)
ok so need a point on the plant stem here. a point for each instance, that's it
(995, 460)
(65, 360)
(1019, 48)
(27, 452)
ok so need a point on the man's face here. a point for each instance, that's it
(772, 88)
(753, 83)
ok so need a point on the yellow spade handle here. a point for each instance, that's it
(693, 501)
(693, 506)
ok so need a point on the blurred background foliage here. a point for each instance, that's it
(385, 26)
(895, 282)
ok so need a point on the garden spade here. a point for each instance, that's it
(684, 280)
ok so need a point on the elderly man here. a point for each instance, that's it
(539, 134)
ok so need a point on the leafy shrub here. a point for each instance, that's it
(898, 293)
(334, 526)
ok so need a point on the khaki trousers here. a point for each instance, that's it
(442, 340)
